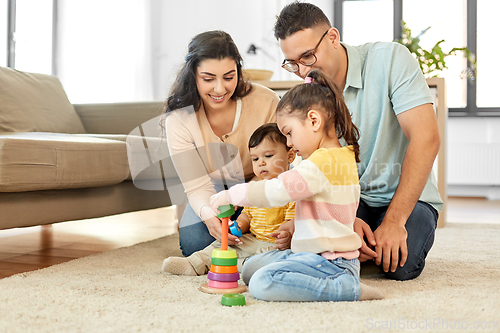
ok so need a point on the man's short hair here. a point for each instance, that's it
(298, 16)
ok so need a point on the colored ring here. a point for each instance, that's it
(232, 299)
(225, 254)
(225, 211)
(231, 277)
(222, 285)
(223, 269)
(235, 229)
(224, 261)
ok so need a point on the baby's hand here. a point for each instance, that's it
(218, 200)
(283, 239)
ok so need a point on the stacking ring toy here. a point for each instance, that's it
(223, 276)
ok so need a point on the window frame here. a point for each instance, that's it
(471, 109)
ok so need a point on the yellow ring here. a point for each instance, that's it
(224, 254)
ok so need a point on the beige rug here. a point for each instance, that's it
(124, 291)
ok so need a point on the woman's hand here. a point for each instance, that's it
(214, 226)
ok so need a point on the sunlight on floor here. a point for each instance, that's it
(108, 228)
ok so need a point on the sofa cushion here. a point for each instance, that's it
(143, 156)
(43, 161)
(31, 102)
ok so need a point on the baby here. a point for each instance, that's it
(264, 229)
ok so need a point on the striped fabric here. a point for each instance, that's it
(326, 190)
(264, 221)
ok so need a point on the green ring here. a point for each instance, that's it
(232, 299)
(224, 261)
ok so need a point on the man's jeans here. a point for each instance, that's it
(421, 226)
(287, 276)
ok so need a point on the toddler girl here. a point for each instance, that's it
(322, 263)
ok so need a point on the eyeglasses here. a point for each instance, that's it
(307, 59)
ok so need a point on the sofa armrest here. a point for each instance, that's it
(116, 118)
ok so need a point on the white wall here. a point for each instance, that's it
(174, 23)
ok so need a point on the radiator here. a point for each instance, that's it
(472, 164)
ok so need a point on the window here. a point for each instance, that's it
(367, 21)
(459, 23)
(487, 88)
(4, 9)
(33, 36)
(450, 27)
(26, 38)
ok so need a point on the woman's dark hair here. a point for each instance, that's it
(298, 16)
(267, 131)
(324, 95)
(214, 44)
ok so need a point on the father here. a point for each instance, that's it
(391, 105)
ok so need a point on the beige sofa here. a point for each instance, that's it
(62, 162)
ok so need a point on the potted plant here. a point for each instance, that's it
(434, 61)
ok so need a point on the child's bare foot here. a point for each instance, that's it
(370, 293)
(178, 266)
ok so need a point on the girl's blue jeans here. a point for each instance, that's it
(287, 276)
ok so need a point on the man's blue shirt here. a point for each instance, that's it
(384, 80)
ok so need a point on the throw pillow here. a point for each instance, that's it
(31, 102)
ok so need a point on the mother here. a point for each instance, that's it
(227, 109)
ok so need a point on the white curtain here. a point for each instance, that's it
(104, 50)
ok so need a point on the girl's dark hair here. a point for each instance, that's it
(298, 16)
(269, 131)
(215, 44)
(324, 95)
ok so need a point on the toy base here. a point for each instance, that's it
(206, 289)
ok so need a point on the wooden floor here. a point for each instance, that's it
(27, 249)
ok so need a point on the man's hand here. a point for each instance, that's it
(363, 230)
(214, 226)
(391, 241)
(217, 200)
